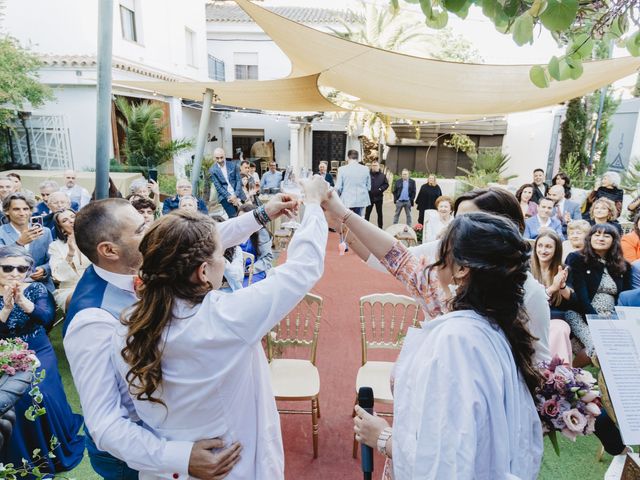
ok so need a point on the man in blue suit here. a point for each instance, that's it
(564, 210)
(34, 238)
(630, 298)
(225, 175)
(543, 219)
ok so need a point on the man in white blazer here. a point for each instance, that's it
(353, 184)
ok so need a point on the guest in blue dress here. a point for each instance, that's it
(260, 246)
(27, 310)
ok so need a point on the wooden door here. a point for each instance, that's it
(327, 146)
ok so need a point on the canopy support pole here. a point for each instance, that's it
(201, 139)
(103, 108)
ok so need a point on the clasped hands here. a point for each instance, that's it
(14, 295)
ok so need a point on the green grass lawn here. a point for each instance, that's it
(576, 461)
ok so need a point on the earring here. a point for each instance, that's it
(453, 288)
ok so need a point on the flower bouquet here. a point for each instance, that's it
(567, 401)
(16, 357)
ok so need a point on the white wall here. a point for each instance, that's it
(527, 142)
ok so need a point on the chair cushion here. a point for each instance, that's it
(294, 379)
(376, 375)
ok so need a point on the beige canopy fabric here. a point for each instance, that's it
(297, 94)
(399, 85)
(419, 88)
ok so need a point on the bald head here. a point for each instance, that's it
(69, 178)
(556, 193)
(219, 155)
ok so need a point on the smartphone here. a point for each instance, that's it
(37, 221)
(153, 174)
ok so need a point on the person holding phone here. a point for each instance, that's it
(33, 237)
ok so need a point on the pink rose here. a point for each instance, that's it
(548, 376)
(592, 408)
(559, 380)
(589, 396)
(575, 421)
(550, 408)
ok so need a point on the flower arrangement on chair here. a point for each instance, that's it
(567, 401)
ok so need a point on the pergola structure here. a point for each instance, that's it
(396, 84)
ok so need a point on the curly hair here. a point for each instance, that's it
(611, 206)
(497, 258)
(173, 248)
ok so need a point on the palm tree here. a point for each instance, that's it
(143, 126)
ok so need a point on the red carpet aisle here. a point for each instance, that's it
(345, 280)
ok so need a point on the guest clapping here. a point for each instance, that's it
(66, 260)
(27, 312)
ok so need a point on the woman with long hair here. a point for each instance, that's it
(191, 355)
(65, 258)
(233, 264)
(27, 311)
(524, 195)
(547, 268)
(492, 429)
(598, 274)
(491, 200)
(563, 180)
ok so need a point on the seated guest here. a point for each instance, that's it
(564, 209)
(113, 191)
(66, 260)
(598, 274)
(250, 189)
(437, 221)
(547, 268)
(34, 238)
(146, 189)
(631, 241)
(254, 173)
(27, 312)
(46, 188)
(17, 186)
(260, 246)
(630, 298)
(233, 264)
(76, 193)
(322, 171)
(577, 230)
(524, 195)
(57, 201)
(542, 219)
(564, 181)
(146, 208)
(602, 211)
(271, 178)
(183, 188)
(608, 187)
(6, 189)
(188, 203)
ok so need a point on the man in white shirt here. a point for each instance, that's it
(109, 232)
(225, 176)
(75, 192)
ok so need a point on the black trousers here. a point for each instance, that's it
(378, 205)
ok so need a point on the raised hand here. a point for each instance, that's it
(282, 204)
(316, 189)
(30, 234)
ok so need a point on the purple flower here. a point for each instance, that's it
(575, 421)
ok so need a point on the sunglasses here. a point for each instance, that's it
(11, 268)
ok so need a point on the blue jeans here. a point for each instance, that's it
(106, 465)
(357, 210)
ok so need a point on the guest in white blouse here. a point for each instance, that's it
(192, 356)
(233, 264)
(438, 220)
(463, 405)
(65, 258)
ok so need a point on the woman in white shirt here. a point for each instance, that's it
(438, 220)
(192, 356)
(65, 258)
(463, 405)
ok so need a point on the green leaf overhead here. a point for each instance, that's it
(633, 44)
(559, 14)
(539, 77)
(523, 29)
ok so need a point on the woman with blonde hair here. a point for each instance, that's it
(577, 230)
(191, 355)
(602, 211)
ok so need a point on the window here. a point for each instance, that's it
(190, 46)
(128, 22)
(246, 66)
(216, 68)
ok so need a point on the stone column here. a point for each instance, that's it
(294, 149)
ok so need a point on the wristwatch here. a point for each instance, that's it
(381, 445)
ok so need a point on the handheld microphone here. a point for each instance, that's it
(365, 401)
